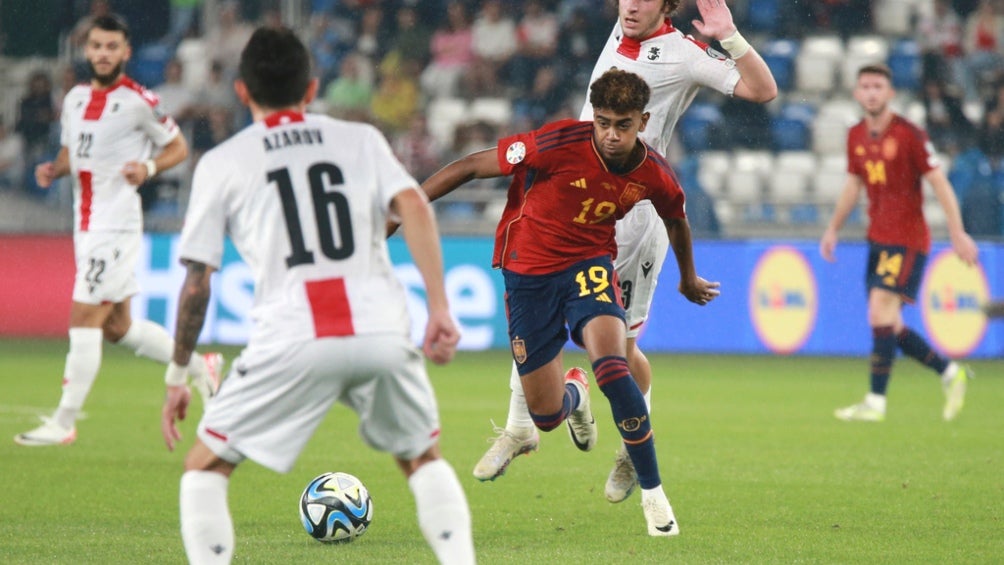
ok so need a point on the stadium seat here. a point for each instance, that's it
(894, 17)
(791, 128)
(780, 54)
(147, 65)
(696, 124)
(829, 128)
(764, 15)
(745, 181)
(711, 171)
(797, 161)
(862, 50)
(788, 190)
(816, 63)
(496, 111)
(445, 114)
(905, 63)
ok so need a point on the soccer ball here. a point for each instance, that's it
(336, 507)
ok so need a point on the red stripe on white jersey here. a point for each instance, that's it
(216, 434)
(329, 305)
(86, 198)
(631, 48)
(282, 117)
(96, 106)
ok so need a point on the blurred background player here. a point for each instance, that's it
(889, 157)
(110, 128)
(675, 67)
(572, 180)
(305, 198)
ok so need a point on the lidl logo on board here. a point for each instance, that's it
(950, 304)
(783, 299)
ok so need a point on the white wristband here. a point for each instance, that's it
(736, 45)
(176, 375)
(151, 168)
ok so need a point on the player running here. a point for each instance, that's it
(675, 66)
(111, 128)
(305, 199)
(572, 180)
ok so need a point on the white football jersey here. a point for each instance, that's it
(103, 130)
(675, 66)
(304, 198)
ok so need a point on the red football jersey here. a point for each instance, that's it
(563, 202)
(892, 165)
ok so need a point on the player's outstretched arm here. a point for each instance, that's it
(192, 304)
(174, 152)
(845, 204)
(756, 82)
(479, 165)
(693, 287)
(422, 237)
(962, 243)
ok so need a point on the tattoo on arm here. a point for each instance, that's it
(192, 306)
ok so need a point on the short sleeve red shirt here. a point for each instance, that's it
(563, 202)
(892, 165)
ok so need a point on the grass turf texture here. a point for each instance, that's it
(756, 467)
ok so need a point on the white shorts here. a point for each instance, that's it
(106, 266)
(276, 396)
(642, 244)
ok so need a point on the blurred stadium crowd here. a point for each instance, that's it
(442, 78)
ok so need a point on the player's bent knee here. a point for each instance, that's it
(201, 458)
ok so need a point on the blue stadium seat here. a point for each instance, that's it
(764, 15)
(779, 54)
(696, 125)
(791, 129)
(905, 63)
(147, 64)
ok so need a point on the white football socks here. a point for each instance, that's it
(443, 515)
(206, 526)
(518, 421)
(151, 340)
(82, 364)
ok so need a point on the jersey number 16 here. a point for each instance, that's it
(335, 238)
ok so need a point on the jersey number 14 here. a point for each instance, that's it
(334, 234)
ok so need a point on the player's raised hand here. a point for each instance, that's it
(965, 248)
(175, 408)
(441, 337)
(716, 19)
(700, 291)
(134, 172)
(45, 173)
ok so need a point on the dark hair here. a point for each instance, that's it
(110, 22)
(876, 69)
(619, 91)
(275, 67)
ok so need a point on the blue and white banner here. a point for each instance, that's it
(777, 297)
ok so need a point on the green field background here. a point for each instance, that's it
(756, 467)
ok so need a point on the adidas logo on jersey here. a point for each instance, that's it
(581, 183)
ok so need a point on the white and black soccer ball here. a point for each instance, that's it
(336, 507)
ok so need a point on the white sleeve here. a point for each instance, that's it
(392, 177)
(712, 69)
(204, 230)
(158, 126)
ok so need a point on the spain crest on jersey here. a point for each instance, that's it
(519, 350)
(631, 194)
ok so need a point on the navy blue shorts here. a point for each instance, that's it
(542, 308)
(895, 268)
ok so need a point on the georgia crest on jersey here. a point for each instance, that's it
(304, 198)
(674, 65)
(103, 129)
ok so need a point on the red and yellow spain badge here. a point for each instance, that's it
(519, 350)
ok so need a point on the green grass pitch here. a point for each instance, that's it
(756, 467)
